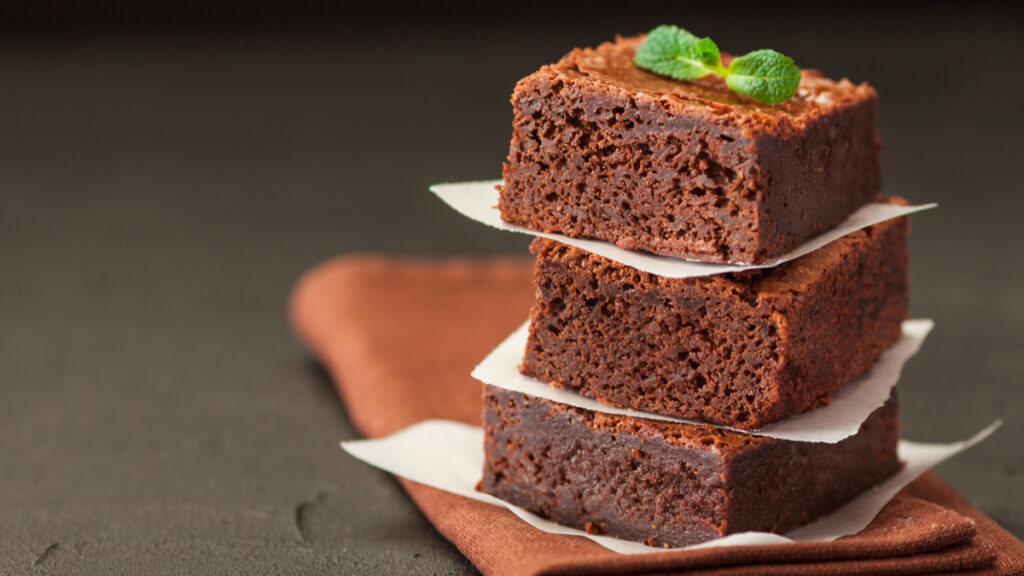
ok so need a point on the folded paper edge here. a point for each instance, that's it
(698, 268)
(896, 483)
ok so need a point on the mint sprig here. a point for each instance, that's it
(764, 75)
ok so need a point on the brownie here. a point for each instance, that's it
(667, 484)
(602, 149)
(743, 349)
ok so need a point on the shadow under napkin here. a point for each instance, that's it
(400, 337)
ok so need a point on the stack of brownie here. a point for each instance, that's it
(604, 150)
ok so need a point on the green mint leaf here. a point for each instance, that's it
(764, 75)
(710, 58)
(674, 52)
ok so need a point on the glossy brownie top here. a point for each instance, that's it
(611, 64)
(703, 437)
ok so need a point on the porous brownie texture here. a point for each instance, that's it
(743, 349)
(602, 149)
(667, 484)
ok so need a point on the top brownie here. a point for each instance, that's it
(602, 149)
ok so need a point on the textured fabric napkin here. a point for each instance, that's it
(399, 338)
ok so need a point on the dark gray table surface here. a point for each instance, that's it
(160, 194)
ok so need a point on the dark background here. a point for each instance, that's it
(168, 171)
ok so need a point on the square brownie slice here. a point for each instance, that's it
(669, 484)
(743, 349)
(602, 149)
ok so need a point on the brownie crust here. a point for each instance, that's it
(602, 149)
(668, 484)
(743, 350)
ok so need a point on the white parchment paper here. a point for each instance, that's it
(479, 200)
(841, 418)
(449, 456)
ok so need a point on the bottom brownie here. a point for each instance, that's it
(668, 484)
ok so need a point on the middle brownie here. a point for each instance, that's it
(743, 350)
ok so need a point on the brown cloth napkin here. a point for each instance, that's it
(399, 338)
